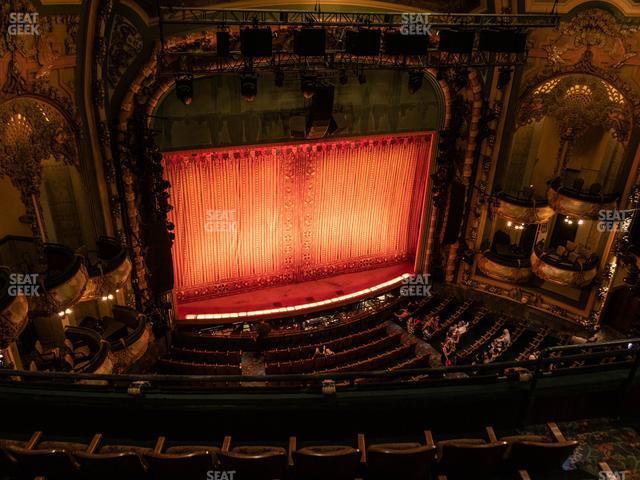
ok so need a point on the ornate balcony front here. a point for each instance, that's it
(13, 312)
(65, 280)
(506, 269)
(111, 270)
(523, 210)
(570, 270)
(578, 203)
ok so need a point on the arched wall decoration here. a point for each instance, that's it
(148, 89)
(32, 130)
(585, 66)
(578, 101)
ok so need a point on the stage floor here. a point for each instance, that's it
(294, 294)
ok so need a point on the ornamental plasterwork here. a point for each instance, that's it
(578, 102)
(42, 64)
(31, 132)
(612, 43)
(124, 46)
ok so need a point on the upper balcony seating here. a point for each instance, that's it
(465, 458)
(181, 461)
(105, 462)
(529, 456)
(321, 462)
(255, 462)
(409, 461)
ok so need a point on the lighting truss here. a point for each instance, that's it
(170, 15)
(203, 63)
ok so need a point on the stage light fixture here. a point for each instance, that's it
(415, 81)
(184, 89)
(279, 79)
(249, 86)
(343, 78)
(308, 85)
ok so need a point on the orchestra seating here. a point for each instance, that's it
(489, 458)
(168, 365)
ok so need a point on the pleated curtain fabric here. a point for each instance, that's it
(268, 215)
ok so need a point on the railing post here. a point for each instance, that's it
(628, 384)
(531, 394)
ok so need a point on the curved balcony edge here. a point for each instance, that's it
(511, 271)
(558, 275)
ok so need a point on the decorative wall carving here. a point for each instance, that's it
(578, 102)
(125, 45)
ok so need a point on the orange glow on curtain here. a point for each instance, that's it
(256, 217)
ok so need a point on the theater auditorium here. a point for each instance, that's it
(319, 240)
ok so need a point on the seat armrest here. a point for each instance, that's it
(362, 446)
(95, 443)
(491, 434)
(292, 448)
(159, 444)
(226, 443)
(555, 432)
(33, 441)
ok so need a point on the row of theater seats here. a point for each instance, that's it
(286, 338)
(181, 367)
(202, 355)
(336, 344)
(525, 457)
(337, 359)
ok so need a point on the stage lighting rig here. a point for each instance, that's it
(415, 81)
(308, 85)
(184, 88)
(249, 86)
(279, 78)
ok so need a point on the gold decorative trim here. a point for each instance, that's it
(576, 208)
(503, 272)
(560, 276)
(524, 214)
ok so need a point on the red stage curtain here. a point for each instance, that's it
(261, 216)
